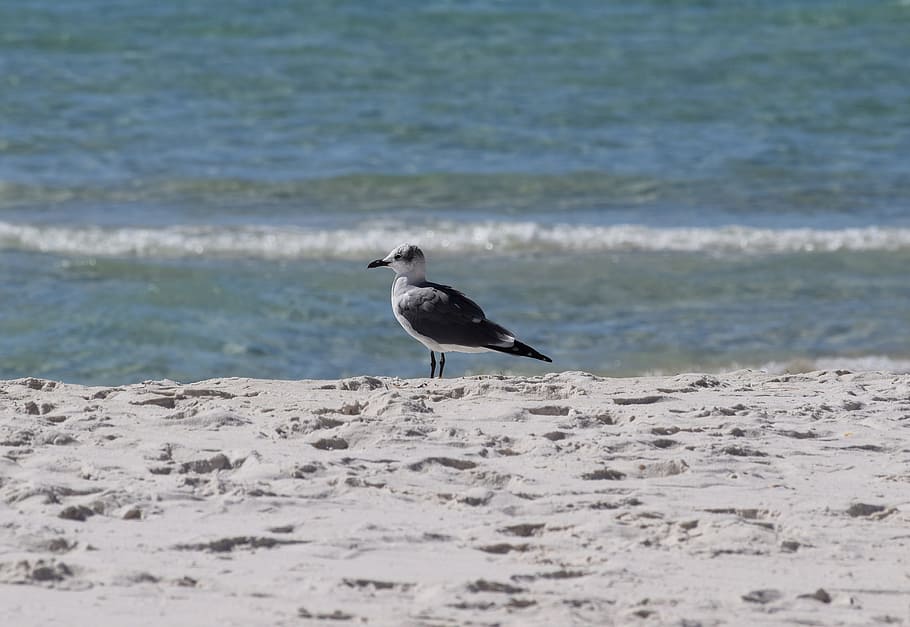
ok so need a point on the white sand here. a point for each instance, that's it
(738, 499)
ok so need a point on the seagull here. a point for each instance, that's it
(439, 316)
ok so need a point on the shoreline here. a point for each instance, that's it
(731, 498)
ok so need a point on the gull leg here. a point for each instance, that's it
(442, 363)
(433, 364)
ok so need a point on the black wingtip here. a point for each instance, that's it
(521, 349)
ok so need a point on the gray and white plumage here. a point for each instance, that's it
(439, 316)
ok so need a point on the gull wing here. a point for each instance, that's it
(447, 316)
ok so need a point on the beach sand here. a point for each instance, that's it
(735, 499)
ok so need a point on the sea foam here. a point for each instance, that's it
(294, 242)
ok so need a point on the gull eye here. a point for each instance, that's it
(397, 256)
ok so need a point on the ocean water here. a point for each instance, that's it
(194, 190)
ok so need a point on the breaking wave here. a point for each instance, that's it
(868, 363)
(291, 242)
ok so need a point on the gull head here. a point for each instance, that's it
(404, 259)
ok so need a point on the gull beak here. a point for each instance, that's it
(378, 263)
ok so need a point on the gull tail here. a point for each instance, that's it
(521, 350)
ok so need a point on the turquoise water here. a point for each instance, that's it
(194, 191)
